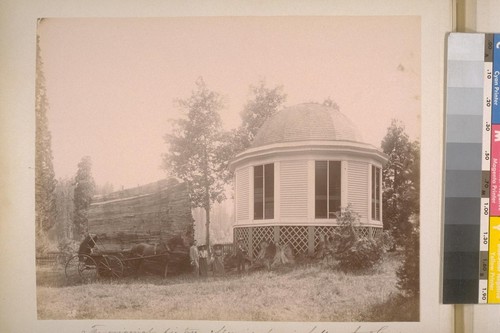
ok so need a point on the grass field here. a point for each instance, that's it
(304, 292)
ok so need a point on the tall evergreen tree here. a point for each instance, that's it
(401, 181)
(195, 149)
(45, 183)
(84, 190)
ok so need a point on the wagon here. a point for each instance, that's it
(88, 267)
(91, 262)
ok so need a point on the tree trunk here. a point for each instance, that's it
(207, 215)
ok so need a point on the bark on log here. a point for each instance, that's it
(155, 212)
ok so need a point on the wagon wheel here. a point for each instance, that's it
(81, 267)
(111, 266)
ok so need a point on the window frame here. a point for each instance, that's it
(376, 196)
(329, 194)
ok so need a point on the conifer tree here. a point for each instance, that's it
(45, 183)
(84, 190)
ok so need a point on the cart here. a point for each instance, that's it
(91, 263)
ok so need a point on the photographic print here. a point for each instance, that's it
(228, 168)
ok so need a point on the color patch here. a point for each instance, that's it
(464, 128)
(495, 172)
(462, 210)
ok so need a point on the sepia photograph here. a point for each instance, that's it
(228, 168)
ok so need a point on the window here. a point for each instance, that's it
(327, 188)
(263, 196)
(375, 189)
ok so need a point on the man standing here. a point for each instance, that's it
(195, 258)
(218, 260)
(203, 254)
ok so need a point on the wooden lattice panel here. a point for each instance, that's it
(362, 232)
(296, 236)
(243, 233)
(368, 232)
(258, 235)
(326, 231)
(377, 232)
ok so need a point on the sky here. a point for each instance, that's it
(111, 83)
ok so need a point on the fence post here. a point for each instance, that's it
(276, 230)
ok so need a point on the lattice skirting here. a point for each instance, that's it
(303, 239)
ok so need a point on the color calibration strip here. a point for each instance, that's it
(471, 267)
(486, 167)
(493, 292)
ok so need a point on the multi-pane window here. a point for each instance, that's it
(263, 196)
(375, 189)
(327, 188)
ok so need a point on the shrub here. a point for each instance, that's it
(42, 244)
(387, 240)
(68, 245)
(408, 273)
(363, 253)
(352, 251)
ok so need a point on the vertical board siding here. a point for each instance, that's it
(357, 187)
(243, 190)
(293, 189)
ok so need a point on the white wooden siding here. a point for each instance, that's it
(242, 193)
(358, 187)
(293, 189)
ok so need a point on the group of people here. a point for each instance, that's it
(201, 258)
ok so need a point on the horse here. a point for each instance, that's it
(147, 253)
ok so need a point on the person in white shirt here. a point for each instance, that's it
(194, 257)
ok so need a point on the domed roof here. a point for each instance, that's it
(307, 122)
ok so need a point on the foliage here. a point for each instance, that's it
(42, 244)
(196, 148)
(84, 190)
(45, 183)
(331, 103)
(65, 207)
(352, 251)
(401, 181)
(363, 253)
(68, 247)
(387, 240)
(408, 273)
(263, 104)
